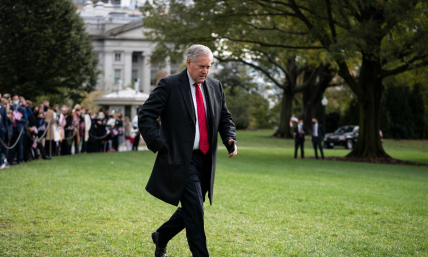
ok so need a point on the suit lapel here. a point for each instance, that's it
(210, 94)
(187, 94)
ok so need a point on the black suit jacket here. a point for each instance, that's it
(297, 137)
(320, 132)
(172, 101)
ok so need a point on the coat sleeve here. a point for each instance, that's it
(226, 128)
(148, 114)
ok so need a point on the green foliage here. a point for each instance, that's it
(44, 50)
(405, 113)
(243, 97)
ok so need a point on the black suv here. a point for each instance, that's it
(345, 136)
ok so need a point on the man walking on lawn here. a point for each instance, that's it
(192, 108)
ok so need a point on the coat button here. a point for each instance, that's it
(182, 163)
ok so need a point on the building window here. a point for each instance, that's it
(134, 75)
(116, 76)
(134, 58)
(153, 77)
(117, 57)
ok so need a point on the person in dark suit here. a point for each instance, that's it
(19, 122)
(3, 130)
(317, 136)
(299, 139)
(192, 107)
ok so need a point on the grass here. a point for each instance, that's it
(410, 150)
(265, 204)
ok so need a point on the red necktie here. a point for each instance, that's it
(203, 128)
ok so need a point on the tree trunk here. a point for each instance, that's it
(369, 144)
(312, 96)
(284, 129)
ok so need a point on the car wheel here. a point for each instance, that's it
(349, 144)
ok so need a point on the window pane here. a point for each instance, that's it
(116, 76)
(117, 57)
(134, 75)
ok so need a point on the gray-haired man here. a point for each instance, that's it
(192, 108)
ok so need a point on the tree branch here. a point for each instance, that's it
(402, 68)
(308, 82)
(272, 45)
(265, 72)
(278, 29)
(346, 75)
(331, 21)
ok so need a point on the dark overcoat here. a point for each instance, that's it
(172, 101)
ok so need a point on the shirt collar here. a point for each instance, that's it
(191, 81)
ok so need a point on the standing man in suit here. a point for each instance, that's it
(3, 129)
(299, 139)
(19, 122)
(192, 107)
(317, 136)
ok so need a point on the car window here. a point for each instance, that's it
(348, 129)
(339, 130)
(344, 130)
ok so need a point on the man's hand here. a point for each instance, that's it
(234, 152)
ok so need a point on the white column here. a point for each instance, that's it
(146, 74)
(168, 66)
(108, 72)
(127, 69)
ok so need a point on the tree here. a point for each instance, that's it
(385, 38)
(243, 98)
(45, 50)
(174, 27)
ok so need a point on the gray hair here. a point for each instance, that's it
(197, 50)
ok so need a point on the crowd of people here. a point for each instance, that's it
(29, 132)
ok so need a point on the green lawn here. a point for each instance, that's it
(265, 204)
(410, 150)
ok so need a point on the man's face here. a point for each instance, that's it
(199, 69)
(15, 98)
(314, 121)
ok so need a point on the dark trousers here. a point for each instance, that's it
(76, 145)
(50, 147)
(316, 141)
(2, 149)
(18, 148)
(115, 143)
(136, 141)
(191, 213)
(42, 149)
(84, 145)
(298, 143)
(28, 141)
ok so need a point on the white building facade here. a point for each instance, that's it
(122, 48)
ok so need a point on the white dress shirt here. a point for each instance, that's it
(135, 121)
(193, 90)
(315, 132)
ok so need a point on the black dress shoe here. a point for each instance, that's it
(46, 158)
(160, 249)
